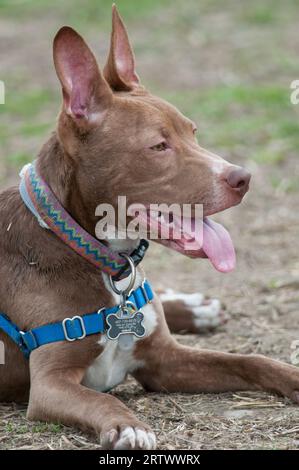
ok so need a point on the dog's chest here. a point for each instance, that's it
(114, 363)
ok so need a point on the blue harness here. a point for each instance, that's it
(120, 319)
(71, 329)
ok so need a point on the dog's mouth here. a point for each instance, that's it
(196, 238)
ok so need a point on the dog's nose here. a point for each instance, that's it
(239, 178)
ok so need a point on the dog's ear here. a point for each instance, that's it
(86, 94)
(119, 70)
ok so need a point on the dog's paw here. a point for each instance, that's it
(128, 438)
(205, 314)
(208, 315)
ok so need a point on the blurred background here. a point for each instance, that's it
(227, 64)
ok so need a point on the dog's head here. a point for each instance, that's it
(122, 140)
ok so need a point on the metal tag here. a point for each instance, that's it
(125, 322)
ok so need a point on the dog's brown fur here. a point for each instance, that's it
(105, 132)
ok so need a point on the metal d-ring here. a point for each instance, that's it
(132, 275)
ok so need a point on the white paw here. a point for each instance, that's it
(208, 315)
(134, 438)
(190, 300)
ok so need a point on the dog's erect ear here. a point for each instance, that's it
(120, 68)
(86, 93)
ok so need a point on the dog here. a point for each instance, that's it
(113, 137)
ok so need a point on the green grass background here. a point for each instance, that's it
(249, 116)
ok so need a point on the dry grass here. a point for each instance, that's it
(228, 421)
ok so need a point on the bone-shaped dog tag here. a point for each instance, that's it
(125, 322)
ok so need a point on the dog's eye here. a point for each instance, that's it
(194, 130)
(162, 146)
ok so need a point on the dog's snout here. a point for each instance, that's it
(238, 178)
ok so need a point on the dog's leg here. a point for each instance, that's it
(191, 313)
(176, 368)
(58, 396)
(171, 367)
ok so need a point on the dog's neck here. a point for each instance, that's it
(58, 170)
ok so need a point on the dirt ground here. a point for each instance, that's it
(212, 54)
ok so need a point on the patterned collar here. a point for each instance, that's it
(41, 201)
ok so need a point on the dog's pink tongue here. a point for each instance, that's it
(218, 246)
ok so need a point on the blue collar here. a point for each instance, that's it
(71, 329)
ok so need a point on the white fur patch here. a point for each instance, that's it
(131, 438)
(204, 316)
(191, 300)
(217, 164)
(219, 167)
(110, 367)
(114, 363)
(208, 316)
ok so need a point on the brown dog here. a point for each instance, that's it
(113, 137)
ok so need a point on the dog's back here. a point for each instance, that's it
(14, 377)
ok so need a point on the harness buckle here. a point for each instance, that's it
(64, 327)
(23, 345)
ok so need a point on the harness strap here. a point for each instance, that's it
(71, 329)
(12, 331)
